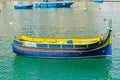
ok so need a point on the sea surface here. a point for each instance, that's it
(59, 22)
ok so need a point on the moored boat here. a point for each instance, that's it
(56, 4)
(99, 1)
(100, 46)
(23, 5)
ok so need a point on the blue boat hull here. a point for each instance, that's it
(53, 4)
(99, 1)
(102, 52)
(23, 7)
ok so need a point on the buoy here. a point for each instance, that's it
(10, 23)
(84, 9)
(104, 19)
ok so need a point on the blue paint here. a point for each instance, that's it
(52, 5)
(43, 5)
(54, 46)
(59, 4)
(23, 6)
(99, 1)
(42, 46)
(18, 43)
(100, 52)
(70, 41)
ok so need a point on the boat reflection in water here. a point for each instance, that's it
(52, 69)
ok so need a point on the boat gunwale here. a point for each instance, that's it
(97, 45)
(82, 43)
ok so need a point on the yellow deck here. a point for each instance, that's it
(64, 40)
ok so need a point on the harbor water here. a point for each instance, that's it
(85, 19)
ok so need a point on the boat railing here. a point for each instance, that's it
(60, 45)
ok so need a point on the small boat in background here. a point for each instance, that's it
(56, 4)
(99, 1)
(23, 5)
(100, 46)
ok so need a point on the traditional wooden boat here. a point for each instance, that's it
(57, 4)
(63, 47)
(23, 5)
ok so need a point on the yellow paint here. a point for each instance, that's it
(64, 40)
(109, 41)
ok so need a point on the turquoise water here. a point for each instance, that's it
(61, 22)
